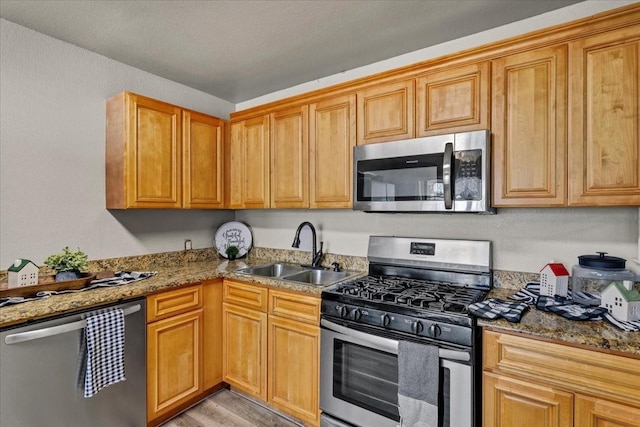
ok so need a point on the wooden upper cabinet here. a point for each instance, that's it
(143, 153)
(453, 100)
(290, 158)
(604, 138)
(332, 136)
(162, 156)
(386, 112)
(529, 125)
(203, 138)
(249, 164)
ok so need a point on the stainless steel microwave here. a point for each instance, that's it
(443, 173)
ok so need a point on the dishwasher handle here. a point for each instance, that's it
(56, 330)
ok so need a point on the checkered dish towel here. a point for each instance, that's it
(494, 308)
(104, 338)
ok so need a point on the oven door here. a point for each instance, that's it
(359, 379)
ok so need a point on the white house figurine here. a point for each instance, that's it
(22, 273)
(622, 301)
(554, 280)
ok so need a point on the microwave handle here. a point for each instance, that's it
(446, 174)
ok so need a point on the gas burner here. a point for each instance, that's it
(412, 293)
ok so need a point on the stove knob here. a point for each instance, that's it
(342, 311)
(435, 330)
(357, 314)
(416, 327)
(385, 320)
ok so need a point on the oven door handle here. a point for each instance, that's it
(388, 345)
(379, 343)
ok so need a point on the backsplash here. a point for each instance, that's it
(501, 278)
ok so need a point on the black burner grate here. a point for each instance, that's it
(414, 293)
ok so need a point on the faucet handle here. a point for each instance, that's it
(336, 266)
(317, 256)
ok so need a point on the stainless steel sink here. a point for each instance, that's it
(318, 277)
(271, 270)
(297, 273)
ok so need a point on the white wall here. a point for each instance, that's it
(52, 136)
(559, 16)
(524, 239)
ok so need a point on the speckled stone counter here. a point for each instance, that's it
(173, 270)
(598, 335)
(183, 268)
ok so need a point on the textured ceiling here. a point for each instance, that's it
(239, 50)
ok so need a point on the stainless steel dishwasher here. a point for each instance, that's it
(40, 368)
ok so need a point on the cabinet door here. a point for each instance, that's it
(529, 128)
(293, 379)
(595, 412)
(174, 357)
(508, 402)
(245, 349)
(203, 138)
(249, 163)
(332, 136)
(154, 153)
(386, 112)
(604, 141)
(453, 100)
(290, 158)
(212, 341)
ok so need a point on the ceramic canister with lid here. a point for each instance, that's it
(594, 273)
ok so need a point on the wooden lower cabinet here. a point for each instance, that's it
(509, 402)
(184, 358)
(174, 360)
(596, 412)
(294, 349)
(272, 347)
(529, 382)
(245, 353)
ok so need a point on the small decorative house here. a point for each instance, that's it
(622, 301)
(554, 280)
(22, 273)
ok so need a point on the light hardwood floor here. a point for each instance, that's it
(228, 409)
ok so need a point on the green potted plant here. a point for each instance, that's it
(68, 264)
(232, 252)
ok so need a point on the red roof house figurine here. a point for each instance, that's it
(554, 280)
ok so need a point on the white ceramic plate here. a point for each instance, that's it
(233, 233)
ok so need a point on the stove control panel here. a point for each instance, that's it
(413, 325)
(422, 248)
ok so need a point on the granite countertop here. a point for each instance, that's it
(179, 269)
(167, 277)
(588, 334)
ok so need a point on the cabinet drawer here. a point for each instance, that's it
(246, 295)
(295, 306)
(174, 302)
(578, 369)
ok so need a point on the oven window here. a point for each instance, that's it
(366, 377)
(401, 178)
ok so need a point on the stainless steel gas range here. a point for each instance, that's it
(418, 291)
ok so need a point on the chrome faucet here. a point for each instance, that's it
(316, 256)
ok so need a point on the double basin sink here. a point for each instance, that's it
(297, 273)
